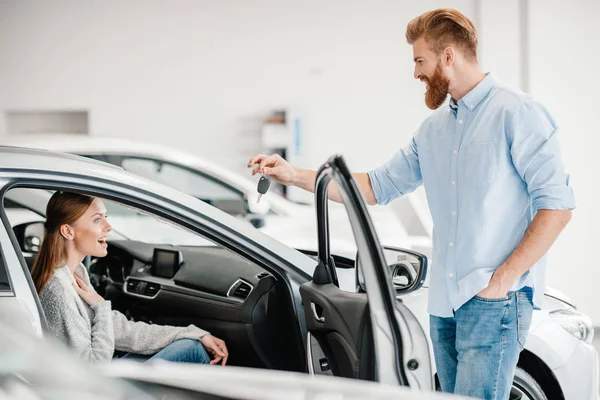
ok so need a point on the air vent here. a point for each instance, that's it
(134, 286)
(151, 289)
(240, 289)
(142, 288)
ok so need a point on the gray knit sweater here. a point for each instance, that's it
(95, 332)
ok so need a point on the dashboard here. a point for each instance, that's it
(143, 270)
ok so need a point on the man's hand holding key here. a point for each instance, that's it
(274, 167)
(279, 170)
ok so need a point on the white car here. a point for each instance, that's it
(246, 288)
(558, 360)
(289, 222)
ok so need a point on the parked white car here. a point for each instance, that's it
(289, 222)
(558, 360)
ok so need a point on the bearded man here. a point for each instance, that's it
(499, 197)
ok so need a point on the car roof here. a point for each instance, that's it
(92, 145)
(95, 145)
(13, 157)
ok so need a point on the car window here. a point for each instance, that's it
(143, 227)
(185, 180)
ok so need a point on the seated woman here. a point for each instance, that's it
(75, 227)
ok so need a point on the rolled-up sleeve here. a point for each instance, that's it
(536, 155)
(397, 177)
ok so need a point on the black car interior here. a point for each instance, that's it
(340, 321)
(208, 286)
(347, 343)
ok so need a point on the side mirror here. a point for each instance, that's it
(408, 270)
(30, 236)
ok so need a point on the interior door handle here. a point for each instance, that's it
(318, 317)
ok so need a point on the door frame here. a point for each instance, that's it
(387, 335)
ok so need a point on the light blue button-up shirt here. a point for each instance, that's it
(488, 163)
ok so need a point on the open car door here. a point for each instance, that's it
(368, 334)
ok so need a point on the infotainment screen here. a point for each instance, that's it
(165, 263)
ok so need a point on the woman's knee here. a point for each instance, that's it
(187, 350)
(196, 351)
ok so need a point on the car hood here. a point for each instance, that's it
(557, 294)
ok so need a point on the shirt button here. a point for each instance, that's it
(454, 182)
(451, 275)
(453, 212)
(460, 121)
(455, 151)
(451, 244)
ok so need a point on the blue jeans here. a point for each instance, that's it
(477, 350)
(182, 350)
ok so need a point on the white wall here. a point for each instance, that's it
(200, 75)
(500, 49)
(563, 74)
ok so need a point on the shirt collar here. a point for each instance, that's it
(472, 99)
(453, 104)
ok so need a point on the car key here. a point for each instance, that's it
(263, 186)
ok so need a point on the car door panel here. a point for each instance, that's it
(340, 322)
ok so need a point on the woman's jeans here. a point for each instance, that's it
(477, 350)
(182, 350)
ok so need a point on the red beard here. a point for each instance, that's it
(437, 89)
